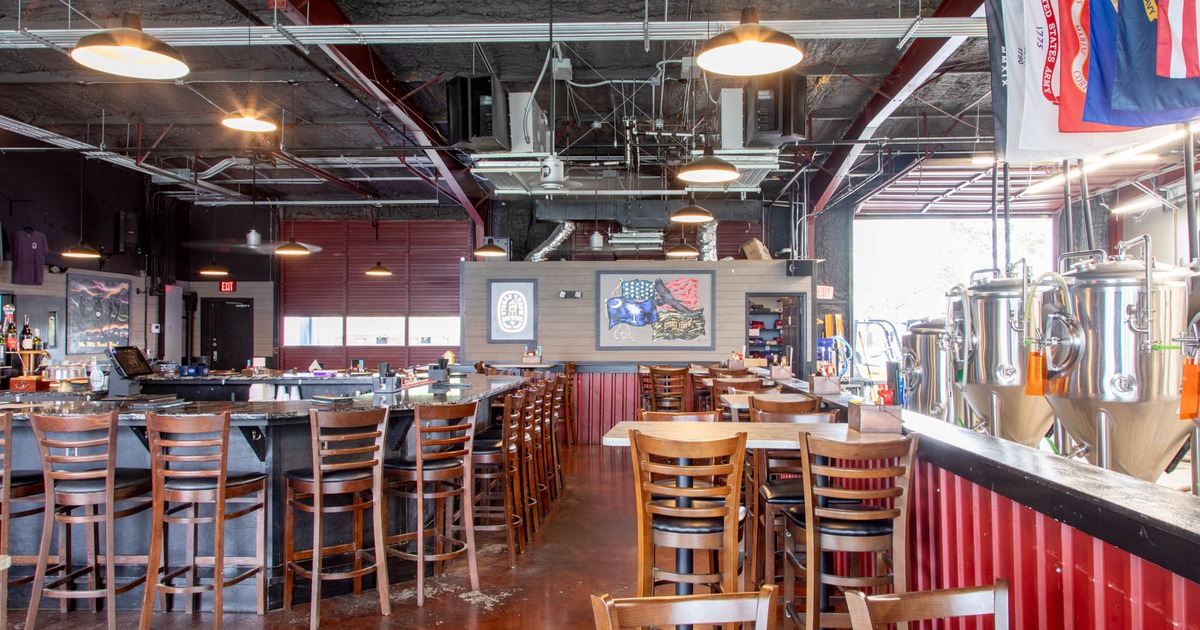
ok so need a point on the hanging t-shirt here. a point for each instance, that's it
(29, 257)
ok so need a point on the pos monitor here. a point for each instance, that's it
(128, 364)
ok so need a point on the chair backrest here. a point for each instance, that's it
(868, 612)
(444, 432)
(805, 404)
(645, 385)
(76, 447)
(195, 446)
(347, 440)
(723, 385)
(765, 391)
(812, 417)
(667, 388)
(715, 471)
(719, 608)
(720, 372)
(678, 416)
(876, 474)
(512, 423)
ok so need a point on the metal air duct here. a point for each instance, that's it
(557, 238)
(706, 240)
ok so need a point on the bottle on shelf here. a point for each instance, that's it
(37, 339)
(26, 335)
(10, 330)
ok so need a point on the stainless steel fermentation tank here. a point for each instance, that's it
(926, 368)
(994, 354)
(1114, 371)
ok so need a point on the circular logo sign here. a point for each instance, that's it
(512, 312)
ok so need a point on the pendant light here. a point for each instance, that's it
(749, 49)
(81, 250)
(708, 169)
(683, 250)
(248, 119)
(292, 248)
(691, 214)
(129, 52)
(490, 250)
(379, 270)
(212, 269)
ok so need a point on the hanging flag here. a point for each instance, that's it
(998, 62)
(1136, 86)
(1102, 72)
(1074, 25)
(1178, 48)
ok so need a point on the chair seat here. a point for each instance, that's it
(841, 527)
(123, 478)
(340, 476)
(677, 525)
(232, 480)
(25, 478)
(489, 435)
(488, 446)
(404, 463)
(790, 492)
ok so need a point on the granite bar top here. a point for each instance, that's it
(1145, 519)
(461, 388)
(250, 379)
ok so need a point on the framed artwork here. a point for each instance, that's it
(512, 311)
(97, 313)
(655, 310)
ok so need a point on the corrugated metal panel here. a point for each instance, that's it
(965, 535)
(316, 284)
(367, 295)
(602, 400)
(300, 357)
(433, 298)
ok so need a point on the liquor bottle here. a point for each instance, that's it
(10, 334)
(26, 335)
(37, 339)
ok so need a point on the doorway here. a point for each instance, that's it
(227, 332)
(775, 329)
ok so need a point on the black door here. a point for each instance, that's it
(227, 332)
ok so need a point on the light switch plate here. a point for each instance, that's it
(155, 328)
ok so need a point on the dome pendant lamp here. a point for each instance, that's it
(248, 119)
(708, 169)
(691, 214)
(379, 270)
(81, 251)
(749, 49)
(490, 250)
(129, 52)
(214, 270)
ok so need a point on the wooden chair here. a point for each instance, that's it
(745, 385)
(668, 388)
(765, 391)
(720, 372)
(16, 486)
(554, 401)
(867, 612)
(775, 482)
(437, 471)
(79, 466)
(498, 490)
(570, 376)
(717, 608)
(870, 483)
(677, 416)
(808, 405)
(688, 498)
(188, 461)
(347, 459)
(645, 387)
(701, 395)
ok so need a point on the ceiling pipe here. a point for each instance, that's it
(561, 233)
(706, 241)
(292, 160)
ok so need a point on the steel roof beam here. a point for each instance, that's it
(915, 67)
(372, 74)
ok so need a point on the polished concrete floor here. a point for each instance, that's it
(586, 546)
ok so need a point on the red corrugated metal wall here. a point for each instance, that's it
(966, 535)
(602, 400)
(423, 257)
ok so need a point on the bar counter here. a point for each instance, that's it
(274, 438)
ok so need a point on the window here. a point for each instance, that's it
(375, 331)
(433, 331)
(312, 331)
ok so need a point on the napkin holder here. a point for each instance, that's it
(824, 385)
(780, 373)
(874, 418)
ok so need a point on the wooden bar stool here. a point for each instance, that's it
(347, 460)
(541, 455)
(549, 424)
(527, 448)
(570, 375)
(688, 498)
(757, 609)
(16, 486)
(871, 481)
(79, 466)
(868, 612)
(438, 471)
(498, 495)
(701, 395)
(668, 388)
(188, 460)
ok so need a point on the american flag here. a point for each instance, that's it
(1178, 51)
(637, 290)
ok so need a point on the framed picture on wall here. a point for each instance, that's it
(655, 310)
(97, 313)
(512, 311)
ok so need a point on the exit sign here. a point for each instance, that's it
(228, 286)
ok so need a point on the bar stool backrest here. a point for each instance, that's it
(76, 448)
(718, 608)
(678, 416)
(444, 432)
(765, 391)
(716, 476)
(808, 405)
(511, 427)
(189, 447)
(868, 612)
(347, 441)
(876, 474)
(720, 372)
(667, 388)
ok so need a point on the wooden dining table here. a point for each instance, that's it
(738, 402)
(708, 382)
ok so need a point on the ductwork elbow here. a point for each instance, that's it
(557, 238)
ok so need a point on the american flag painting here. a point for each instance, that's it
(655, 310)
